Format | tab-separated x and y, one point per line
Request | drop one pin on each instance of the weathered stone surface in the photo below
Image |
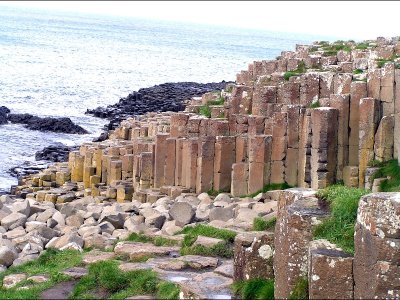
253	256
12	280
297	214
330	272
136	250
207	241
384	139
13	220
377	247
221	213
7	255
182	212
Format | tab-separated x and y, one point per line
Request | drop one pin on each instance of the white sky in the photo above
345	19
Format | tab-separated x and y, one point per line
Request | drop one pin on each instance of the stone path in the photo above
196	276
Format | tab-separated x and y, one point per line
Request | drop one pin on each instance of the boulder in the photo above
7	256
22	207
182	213
221	213
13	220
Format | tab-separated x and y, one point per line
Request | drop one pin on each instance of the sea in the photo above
59	64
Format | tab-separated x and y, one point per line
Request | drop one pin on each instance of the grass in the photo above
339	227
113	283
223	249
156	240
51	262
315	104
205	110
300	290
362	46
167	291
269	187
213	193
260	224
390	169
257	288
358	71
301	68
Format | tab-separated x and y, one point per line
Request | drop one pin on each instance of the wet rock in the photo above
64	125
57	152
3	114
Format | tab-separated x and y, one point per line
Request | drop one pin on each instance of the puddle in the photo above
177	278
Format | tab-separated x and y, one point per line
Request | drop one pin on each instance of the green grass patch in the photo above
156	240
358	71
301	68
339	227
113	283
205	110
362	46
229	89
214	193
223	249
206	230
254	289
167	291
270	187
261	224
381	62
391	170
51	262
315	104
332	52
300	290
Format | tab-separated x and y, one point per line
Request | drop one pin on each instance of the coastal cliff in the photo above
269	148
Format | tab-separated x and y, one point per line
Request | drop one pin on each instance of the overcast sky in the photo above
348	19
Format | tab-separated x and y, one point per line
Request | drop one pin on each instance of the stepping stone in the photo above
199	262
39	278
127	266
96	256
59	291
12	280
226	269
207	286
75	272
141	297
135	250
207	241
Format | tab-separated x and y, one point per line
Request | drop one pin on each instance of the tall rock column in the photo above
205	164
324	146
369	118
377	247
223	161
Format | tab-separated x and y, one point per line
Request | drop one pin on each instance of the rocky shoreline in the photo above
170	96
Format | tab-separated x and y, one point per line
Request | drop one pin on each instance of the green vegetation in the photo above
213	193
223	249
206	230
269	187
105	280
391	170
229	89
381	62
301	68
51	263
362	46
156	240
205	110
358	71
315	104
254	289
260	224
339	227
300	290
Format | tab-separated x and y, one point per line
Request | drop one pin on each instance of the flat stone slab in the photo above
75	272
141	297
39	278
136	250
12	280
96	256
226	269
61	290
127	266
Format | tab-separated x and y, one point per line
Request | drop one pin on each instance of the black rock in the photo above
64	125
56	153
158	98
3	114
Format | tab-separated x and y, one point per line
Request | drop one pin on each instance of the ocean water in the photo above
60	64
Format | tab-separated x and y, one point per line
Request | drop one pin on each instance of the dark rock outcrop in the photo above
158	98
64	125
55	153
3	114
